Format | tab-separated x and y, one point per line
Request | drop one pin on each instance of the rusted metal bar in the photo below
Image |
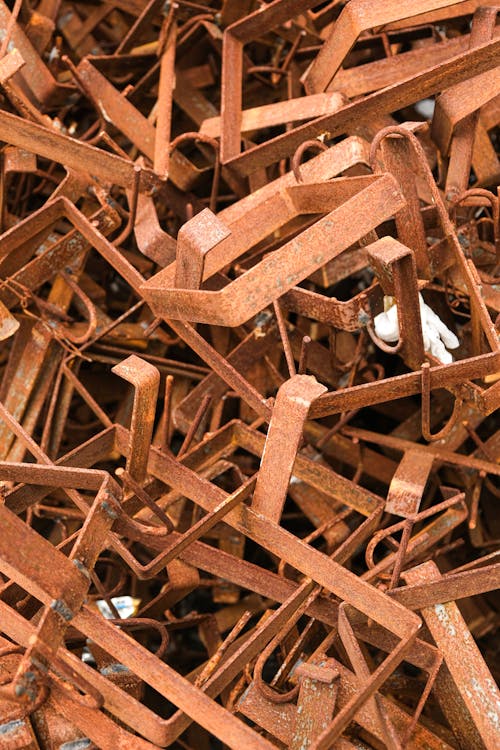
146	379
399	95
283	438
467	668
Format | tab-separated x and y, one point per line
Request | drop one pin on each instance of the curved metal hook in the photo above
386	533
426	409
124	234
420	154
495	209
299	153
387	348
87	303
193	136
138	623
266	690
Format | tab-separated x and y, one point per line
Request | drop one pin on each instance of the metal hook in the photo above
387	348
262	686
186	137
87	303
426	408
133	208
495	209
299	153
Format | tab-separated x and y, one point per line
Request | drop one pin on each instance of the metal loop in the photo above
299	153
426	409
133	208
194	136
381	344
495	209
87	303
266	690
138	623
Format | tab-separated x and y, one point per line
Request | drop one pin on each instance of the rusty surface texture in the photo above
249	374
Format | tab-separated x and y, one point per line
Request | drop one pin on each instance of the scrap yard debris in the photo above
250	373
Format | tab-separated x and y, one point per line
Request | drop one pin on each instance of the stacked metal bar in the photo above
250	373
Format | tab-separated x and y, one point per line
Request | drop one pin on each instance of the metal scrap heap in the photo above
249	374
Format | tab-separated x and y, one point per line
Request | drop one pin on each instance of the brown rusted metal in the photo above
249	375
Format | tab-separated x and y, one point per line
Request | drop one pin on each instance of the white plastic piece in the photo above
425	108
126	606
437	336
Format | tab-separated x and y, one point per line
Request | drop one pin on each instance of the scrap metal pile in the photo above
250	372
